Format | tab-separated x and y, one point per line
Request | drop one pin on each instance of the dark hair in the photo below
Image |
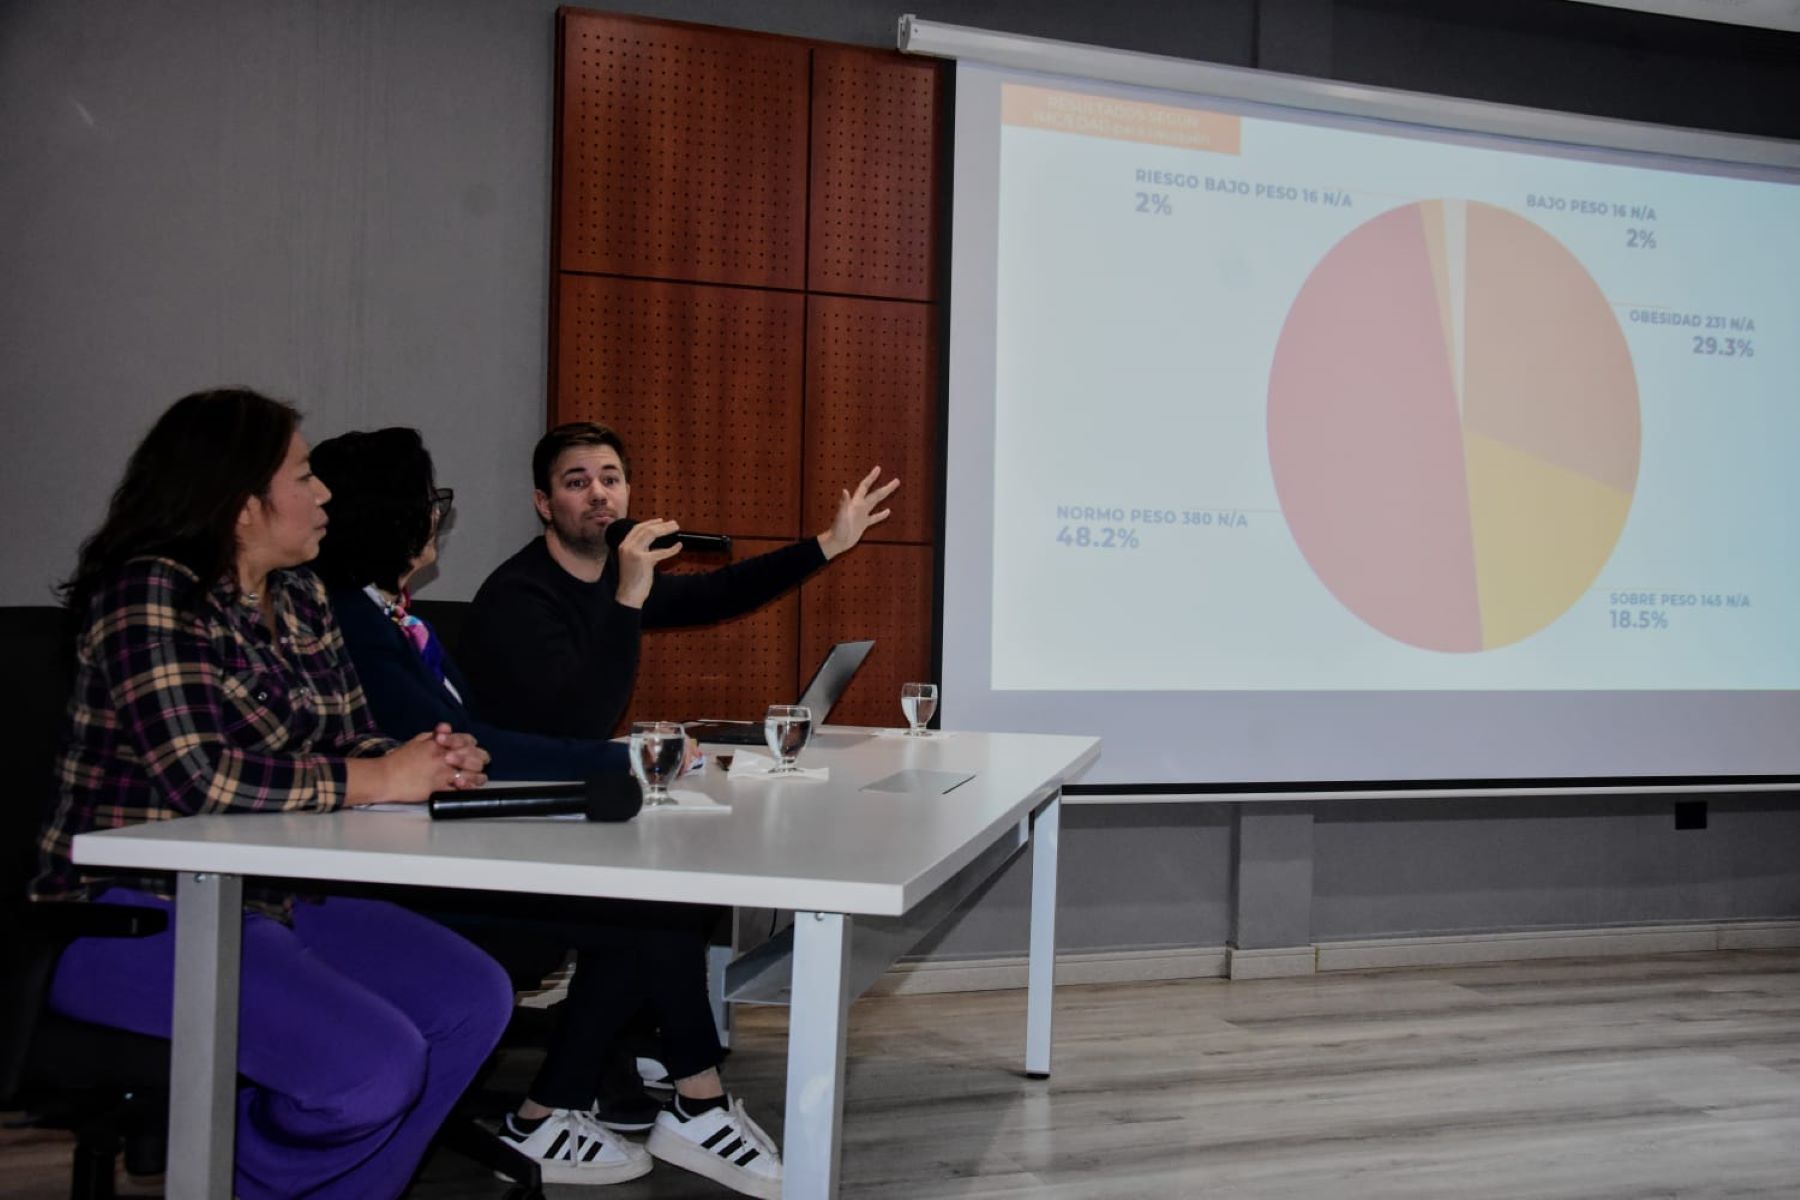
184	487
574	433
381	496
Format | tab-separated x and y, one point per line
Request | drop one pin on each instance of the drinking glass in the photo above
918	701
657	750
787	728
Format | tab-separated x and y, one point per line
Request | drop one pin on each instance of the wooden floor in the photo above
1658	1077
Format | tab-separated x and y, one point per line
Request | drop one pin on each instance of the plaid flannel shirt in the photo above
200	711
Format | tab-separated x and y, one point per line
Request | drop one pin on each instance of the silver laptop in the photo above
841	663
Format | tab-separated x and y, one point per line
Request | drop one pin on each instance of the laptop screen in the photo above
832	677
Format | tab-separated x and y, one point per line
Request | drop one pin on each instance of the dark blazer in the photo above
407	699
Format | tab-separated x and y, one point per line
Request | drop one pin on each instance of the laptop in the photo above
841	663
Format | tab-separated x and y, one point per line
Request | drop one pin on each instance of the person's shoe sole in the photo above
637	1168
677	1151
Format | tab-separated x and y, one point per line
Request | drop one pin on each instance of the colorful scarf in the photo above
417	631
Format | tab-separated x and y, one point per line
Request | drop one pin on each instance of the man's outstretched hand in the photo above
856	512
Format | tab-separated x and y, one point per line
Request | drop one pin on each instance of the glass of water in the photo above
657	750
918	701
787	728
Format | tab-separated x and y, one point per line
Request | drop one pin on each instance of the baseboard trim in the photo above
1225	962
1556	943
1000	974
1281	962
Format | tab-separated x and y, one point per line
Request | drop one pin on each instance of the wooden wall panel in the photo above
871	398
874	174
878	591
805	177
703	383
682	152
734	669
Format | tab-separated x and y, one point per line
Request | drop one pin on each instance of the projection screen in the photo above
1300	432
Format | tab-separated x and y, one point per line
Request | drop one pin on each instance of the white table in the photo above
830	851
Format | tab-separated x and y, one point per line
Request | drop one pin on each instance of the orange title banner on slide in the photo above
1121	120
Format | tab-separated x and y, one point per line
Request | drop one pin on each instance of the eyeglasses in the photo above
441	500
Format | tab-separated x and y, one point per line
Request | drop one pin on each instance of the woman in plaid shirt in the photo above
211	678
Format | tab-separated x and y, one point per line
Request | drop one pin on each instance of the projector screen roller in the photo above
1291	445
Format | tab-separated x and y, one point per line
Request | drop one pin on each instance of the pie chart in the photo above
1453	425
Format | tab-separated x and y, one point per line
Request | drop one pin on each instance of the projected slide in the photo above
1451	371
1316	405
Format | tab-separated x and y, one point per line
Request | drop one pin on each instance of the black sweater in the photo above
552	654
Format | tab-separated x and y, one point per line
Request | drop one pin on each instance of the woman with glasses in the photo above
387	511
211	678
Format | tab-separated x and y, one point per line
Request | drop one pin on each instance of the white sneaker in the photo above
724	1145
570	1148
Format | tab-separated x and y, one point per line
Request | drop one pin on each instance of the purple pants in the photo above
359	1028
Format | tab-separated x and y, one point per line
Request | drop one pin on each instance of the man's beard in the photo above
584	539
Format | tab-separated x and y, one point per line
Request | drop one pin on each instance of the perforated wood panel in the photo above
683	161
703	383
878	591
874	174
871	385
682	152
734	669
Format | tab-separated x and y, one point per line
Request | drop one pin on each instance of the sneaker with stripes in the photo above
721	1143
570	1148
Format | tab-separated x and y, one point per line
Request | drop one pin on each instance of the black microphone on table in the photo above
699	543
613	796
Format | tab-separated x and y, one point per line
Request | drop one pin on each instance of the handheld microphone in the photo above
699	543
614	796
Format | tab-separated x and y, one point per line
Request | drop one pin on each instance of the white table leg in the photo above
209	923
1041	965
817	1018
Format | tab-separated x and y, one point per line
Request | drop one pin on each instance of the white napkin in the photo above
930	735
758	766
686	802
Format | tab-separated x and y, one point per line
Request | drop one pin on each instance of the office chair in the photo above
108	1087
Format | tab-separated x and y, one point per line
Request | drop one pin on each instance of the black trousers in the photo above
635	961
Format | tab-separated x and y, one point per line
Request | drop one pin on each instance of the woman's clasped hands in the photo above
439	761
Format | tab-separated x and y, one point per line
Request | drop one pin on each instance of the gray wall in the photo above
346	203
1161	876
